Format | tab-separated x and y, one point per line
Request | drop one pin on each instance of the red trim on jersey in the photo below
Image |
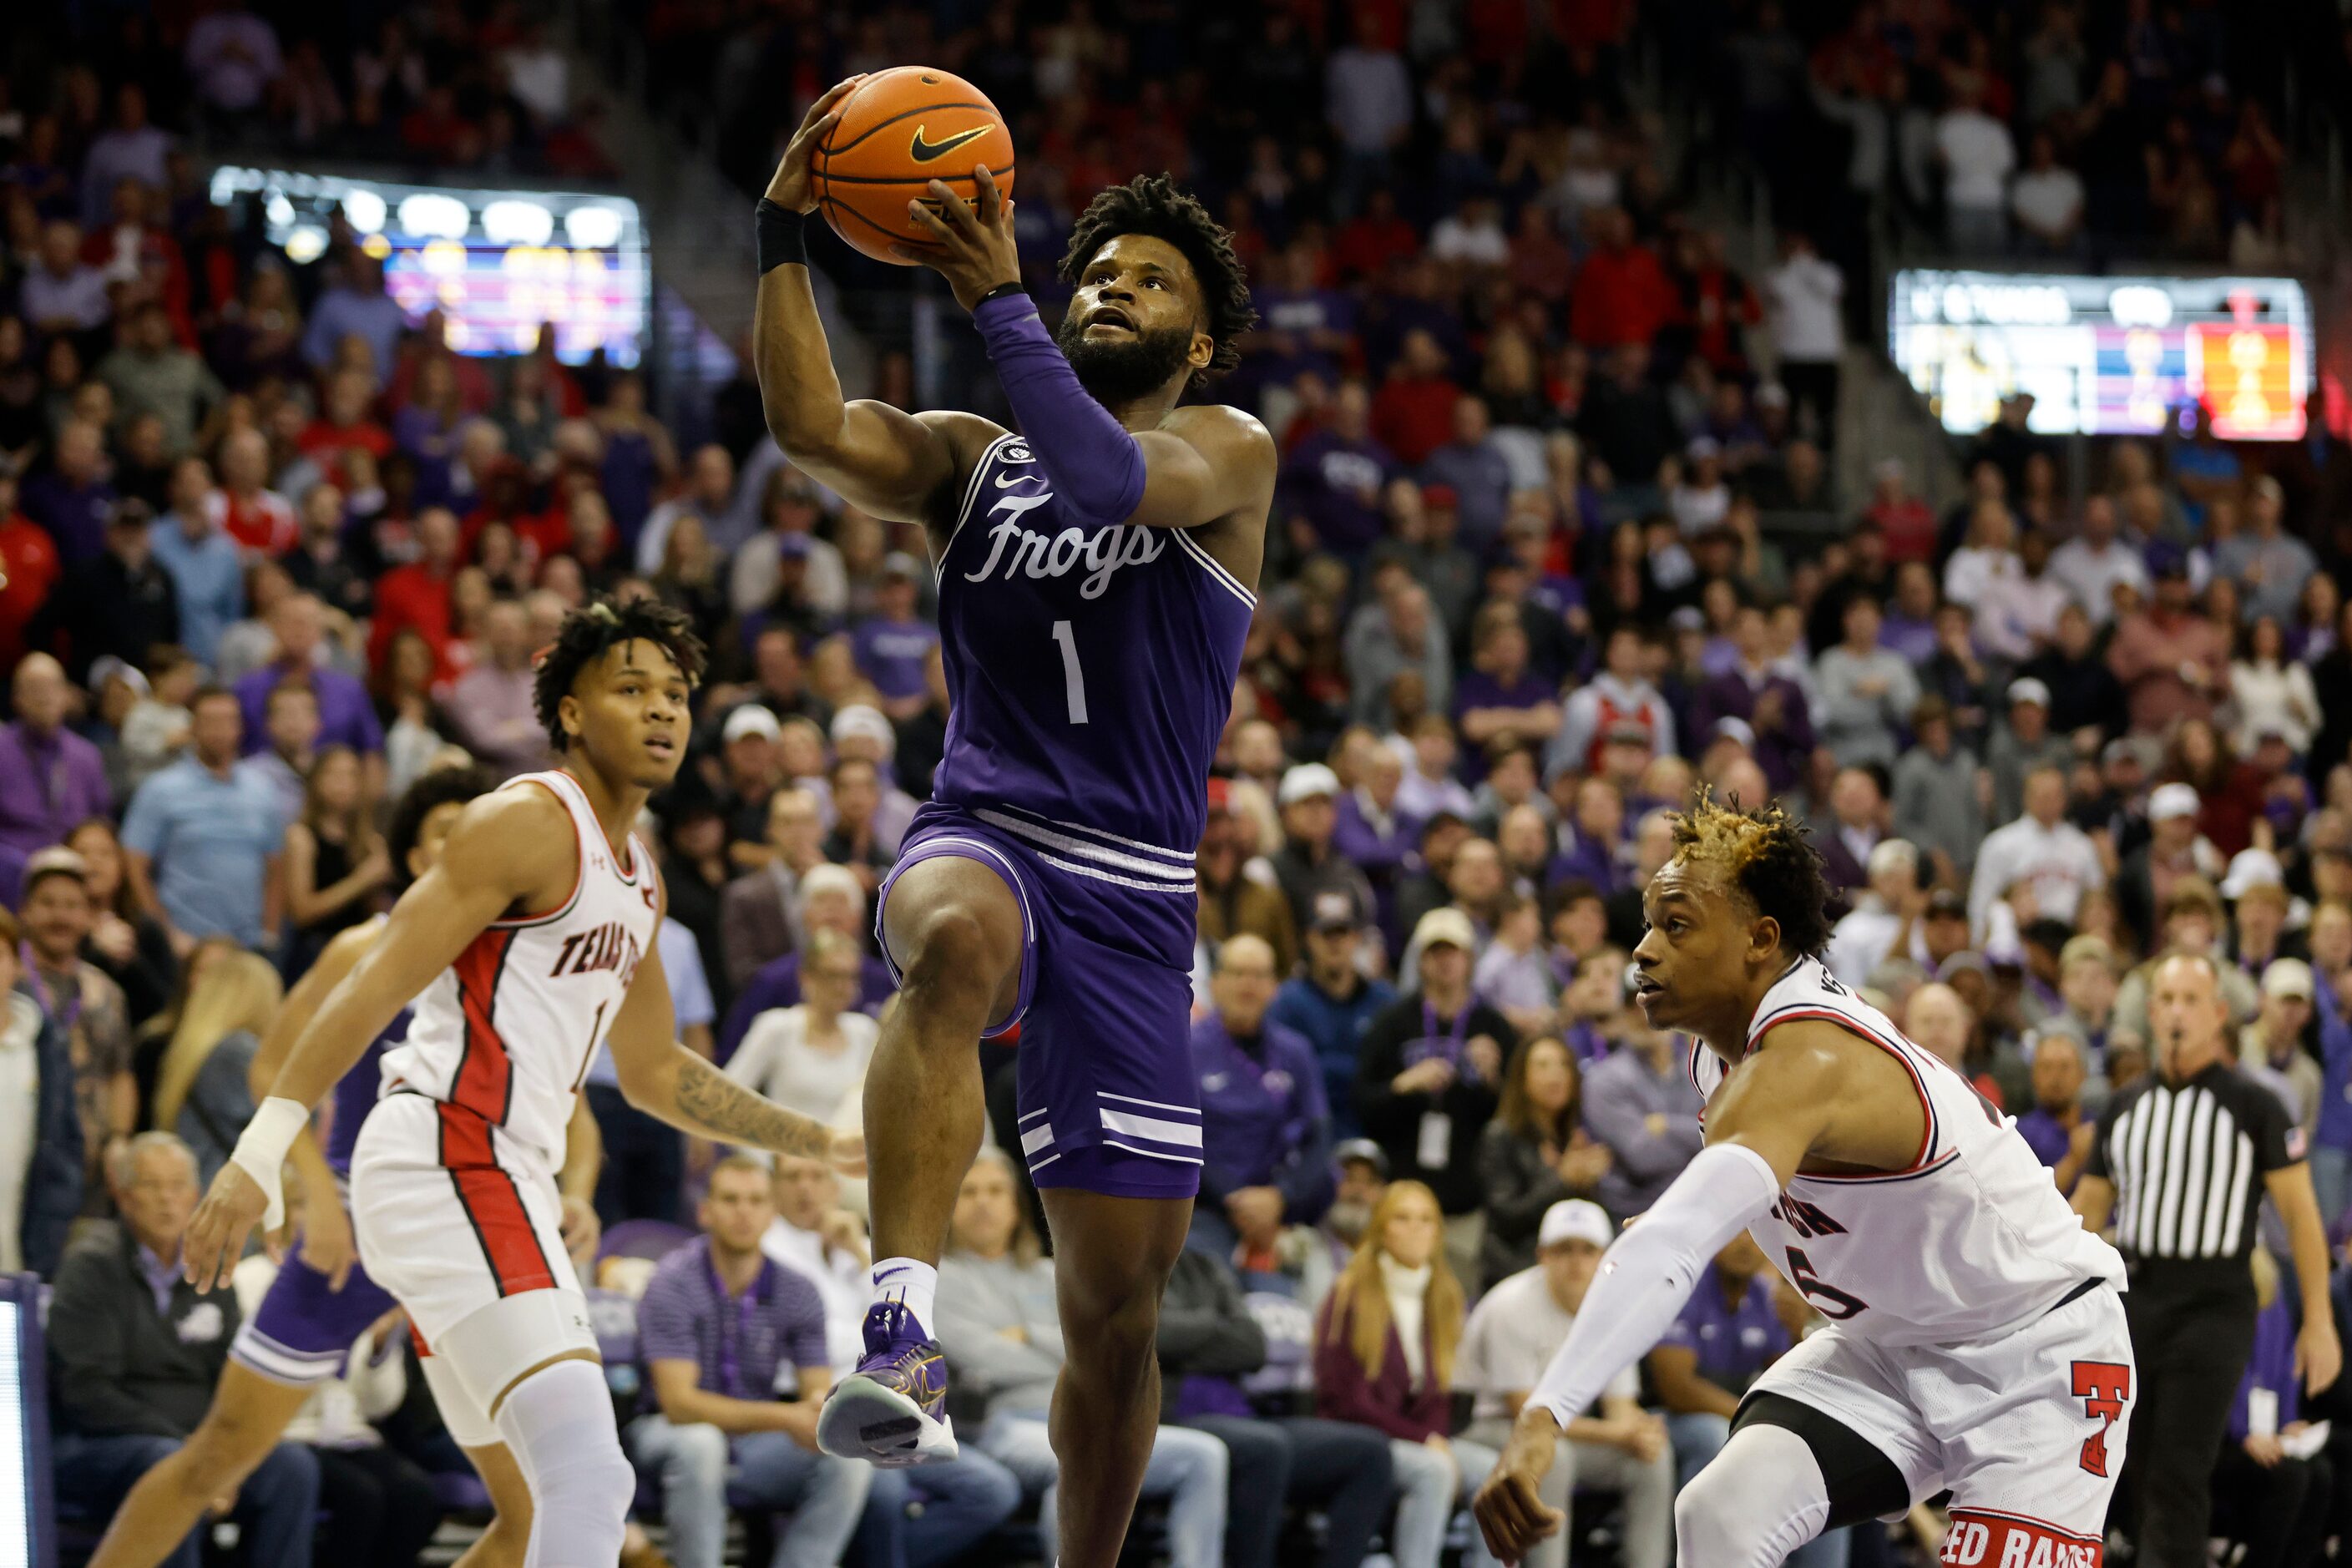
485	1081
1856	1028
493	1204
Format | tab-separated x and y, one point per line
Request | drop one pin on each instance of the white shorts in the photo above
464	1226
2027	1431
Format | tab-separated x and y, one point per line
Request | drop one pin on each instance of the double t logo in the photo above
2102	1386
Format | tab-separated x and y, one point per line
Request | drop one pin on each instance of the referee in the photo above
2174	1164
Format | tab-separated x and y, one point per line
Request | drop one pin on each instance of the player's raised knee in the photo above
956	952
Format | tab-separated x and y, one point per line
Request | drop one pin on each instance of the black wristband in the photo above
998	292
778	237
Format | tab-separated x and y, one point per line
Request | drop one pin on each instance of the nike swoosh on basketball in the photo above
923	152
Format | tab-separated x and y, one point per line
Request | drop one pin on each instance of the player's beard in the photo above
1128	369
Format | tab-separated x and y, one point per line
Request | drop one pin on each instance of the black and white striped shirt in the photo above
2188	1162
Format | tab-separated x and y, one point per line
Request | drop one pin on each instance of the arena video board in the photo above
497	263
2105	356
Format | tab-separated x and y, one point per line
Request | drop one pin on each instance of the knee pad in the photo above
1761	1500
558	1422
489	1349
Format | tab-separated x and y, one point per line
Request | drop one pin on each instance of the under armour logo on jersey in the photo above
1101	551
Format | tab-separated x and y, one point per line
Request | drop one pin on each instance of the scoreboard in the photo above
495	263
2105	356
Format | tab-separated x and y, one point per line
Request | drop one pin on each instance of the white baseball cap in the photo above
2251	868
1576	1219
2027	690
1304	782
750	719
2170	801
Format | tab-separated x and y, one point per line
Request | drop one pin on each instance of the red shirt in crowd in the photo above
413	596
1413	417
325	444
262	522
1909	528
1367	245
1621	295
29	570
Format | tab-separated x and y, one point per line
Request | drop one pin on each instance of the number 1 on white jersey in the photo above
1074	684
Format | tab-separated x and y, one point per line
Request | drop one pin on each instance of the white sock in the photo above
909	1284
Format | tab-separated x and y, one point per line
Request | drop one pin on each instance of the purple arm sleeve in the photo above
1095	465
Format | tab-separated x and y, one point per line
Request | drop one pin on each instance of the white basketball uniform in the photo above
1976	1337
454	1201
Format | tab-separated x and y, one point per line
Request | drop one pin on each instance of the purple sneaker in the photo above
892	1410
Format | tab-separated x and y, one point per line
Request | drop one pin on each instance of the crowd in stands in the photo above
270	552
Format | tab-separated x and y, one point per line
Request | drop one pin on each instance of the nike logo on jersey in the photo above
1101	551
1007	481
923	152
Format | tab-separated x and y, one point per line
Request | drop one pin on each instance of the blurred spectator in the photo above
1978	157
760	909
2280	1504
129	148
121	605
354	305
892	645
2021	742
831	898
41	1153
58	917
1618	705
72	498
1867	691
1472	467
1385	1346
1510	1340
2097	561
2041	850
203	838
2270	1049
1332	1002
1266	1129
2173	663
346	716
2269	564
2047	200
1002	1336
718	1428
128	941
2270	694
2174	850
1333	478
1238	892
491	703
1753	691
205	567
58	293
1428	1076
1640	1105
1307	864
1535	1154
1803	298
1412	413
136	1350
417	597
50	778
812	1057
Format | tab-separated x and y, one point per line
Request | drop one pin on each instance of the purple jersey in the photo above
1090	667
355	1095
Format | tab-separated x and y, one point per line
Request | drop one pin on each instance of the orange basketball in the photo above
900	129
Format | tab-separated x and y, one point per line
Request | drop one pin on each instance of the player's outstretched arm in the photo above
1759	1130
885	461
327	1244
667	1082
507	846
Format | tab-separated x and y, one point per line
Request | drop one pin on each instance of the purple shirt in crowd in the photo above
74	515
737	1342
1735	1344
1335	485
2044	1136
47	784
1784	751
891	654
1264	1121
346	715
2271	1368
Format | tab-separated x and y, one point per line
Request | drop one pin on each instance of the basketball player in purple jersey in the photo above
1096	576
323	1299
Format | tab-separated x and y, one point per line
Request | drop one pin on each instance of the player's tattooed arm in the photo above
719	1106
672	1084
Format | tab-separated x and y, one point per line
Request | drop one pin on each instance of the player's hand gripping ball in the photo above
876	144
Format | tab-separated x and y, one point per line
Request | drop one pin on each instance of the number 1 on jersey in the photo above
1073	682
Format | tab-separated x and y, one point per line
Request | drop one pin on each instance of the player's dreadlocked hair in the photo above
1767	854
1156	206
440	787
591	629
